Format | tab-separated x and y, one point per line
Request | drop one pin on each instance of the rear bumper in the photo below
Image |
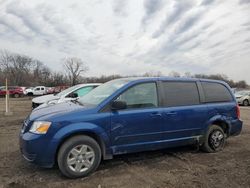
236	127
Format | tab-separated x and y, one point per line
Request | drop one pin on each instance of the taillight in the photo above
238	111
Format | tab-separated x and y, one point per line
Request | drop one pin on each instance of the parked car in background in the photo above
28	91
14	91
58	89
65	95
130	115
50	90
243	97
38	90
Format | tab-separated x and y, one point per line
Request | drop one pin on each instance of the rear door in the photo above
184	115
139	126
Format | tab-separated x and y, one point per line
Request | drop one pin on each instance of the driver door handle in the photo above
156	114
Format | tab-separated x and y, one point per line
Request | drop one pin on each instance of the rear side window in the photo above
216	92
180	93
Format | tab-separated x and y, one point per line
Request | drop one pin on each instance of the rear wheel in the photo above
246	102
214	139
79	156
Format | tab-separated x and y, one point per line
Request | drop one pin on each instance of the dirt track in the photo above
180	167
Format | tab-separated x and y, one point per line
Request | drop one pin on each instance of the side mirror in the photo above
73	95
118	105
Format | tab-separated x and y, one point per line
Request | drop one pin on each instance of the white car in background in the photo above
38	90
68	94
28	91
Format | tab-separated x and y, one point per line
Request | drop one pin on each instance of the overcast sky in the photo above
132	36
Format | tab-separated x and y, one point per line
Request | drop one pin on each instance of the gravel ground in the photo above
179	167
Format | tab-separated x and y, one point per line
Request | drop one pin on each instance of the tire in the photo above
74	156
215	139
16	95
30	94
245	102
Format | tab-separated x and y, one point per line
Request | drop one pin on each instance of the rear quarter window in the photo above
216	92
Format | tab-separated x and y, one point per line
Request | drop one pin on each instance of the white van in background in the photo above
38	90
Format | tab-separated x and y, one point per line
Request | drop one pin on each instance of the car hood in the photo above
45	99
55	111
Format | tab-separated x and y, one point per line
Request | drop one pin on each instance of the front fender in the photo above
76	128
80	128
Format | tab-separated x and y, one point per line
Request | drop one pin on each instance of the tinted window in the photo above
180	93
215	92
140	96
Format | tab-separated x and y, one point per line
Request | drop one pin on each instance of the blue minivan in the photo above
130	115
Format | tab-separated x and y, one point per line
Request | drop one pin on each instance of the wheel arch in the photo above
222	123
101	139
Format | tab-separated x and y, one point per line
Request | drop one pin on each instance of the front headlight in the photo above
40	127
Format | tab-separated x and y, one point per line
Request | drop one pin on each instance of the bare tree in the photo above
16	66
174	74
74	67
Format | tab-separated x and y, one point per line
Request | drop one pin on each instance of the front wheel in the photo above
246	103
79	156
16	95
214	139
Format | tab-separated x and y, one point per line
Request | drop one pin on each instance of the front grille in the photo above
25	125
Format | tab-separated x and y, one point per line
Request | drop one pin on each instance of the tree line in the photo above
22	70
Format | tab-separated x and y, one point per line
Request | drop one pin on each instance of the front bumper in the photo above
37	149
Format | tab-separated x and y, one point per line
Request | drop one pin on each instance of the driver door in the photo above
139	126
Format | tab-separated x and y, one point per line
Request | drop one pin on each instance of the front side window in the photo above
83	91
216	92
140	96
180	93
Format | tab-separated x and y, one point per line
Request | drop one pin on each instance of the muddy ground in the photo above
179	167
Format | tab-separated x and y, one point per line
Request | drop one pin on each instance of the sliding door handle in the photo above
156	114
171	113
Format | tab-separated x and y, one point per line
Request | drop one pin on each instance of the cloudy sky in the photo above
132	36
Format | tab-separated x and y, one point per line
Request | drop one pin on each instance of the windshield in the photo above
68	90
96	96
243	92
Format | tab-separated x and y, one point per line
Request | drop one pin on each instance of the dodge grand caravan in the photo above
130	115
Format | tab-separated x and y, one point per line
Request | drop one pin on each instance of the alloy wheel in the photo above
81	158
